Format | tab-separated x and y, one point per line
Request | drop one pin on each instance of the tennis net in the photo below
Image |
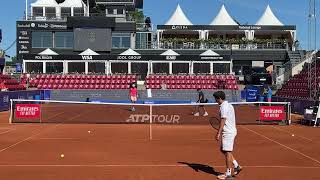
50	111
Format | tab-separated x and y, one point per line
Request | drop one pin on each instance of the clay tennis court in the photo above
124	151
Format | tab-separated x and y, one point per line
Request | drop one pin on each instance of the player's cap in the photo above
219	95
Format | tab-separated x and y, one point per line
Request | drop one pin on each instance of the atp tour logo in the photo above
161	119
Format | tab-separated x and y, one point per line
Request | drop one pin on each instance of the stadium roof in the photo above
44	3
89	52
269	19
209	52
72	3
48	52
170	52
178	18
130	52
223	18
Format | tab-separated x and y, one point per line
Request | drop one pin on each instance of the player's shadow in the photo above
201	167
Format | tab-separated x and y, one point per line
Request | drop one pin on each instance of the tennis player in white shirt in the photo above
227	133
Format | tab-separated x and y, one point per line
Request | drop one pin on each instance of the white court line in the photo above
7	131
58	139
288	132
146	165
296	151
28	138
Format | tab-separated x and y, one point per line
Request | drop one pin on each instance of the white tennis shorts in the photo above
228	142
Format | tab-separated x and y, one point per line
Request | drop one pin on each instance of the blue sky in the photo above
290	12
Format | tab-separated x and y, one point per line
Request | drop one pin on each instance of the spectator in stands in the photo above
269	94
163	85
3	87
133	93
88	100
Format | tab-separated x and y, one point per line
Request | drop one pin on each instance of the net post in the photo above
150	122
40	113
259	111
289	113
11	111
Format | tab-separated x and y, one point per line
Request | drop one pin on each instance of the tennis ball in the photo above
62	155
292	135
89	132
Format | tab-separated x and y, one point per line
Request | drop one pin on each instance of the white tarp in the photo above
48	52
72	3
269	19
170	52
130	52
209	52
224	18
44	3
178	18
88	52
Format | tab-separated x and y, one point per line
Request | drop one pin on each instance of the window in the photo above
64	40
141	41
42	39
121	40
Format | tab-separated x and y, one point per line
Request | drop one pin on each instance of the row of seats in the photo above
83	86
44	81
191	77
9	83
86	77
189	86
192	82
297	86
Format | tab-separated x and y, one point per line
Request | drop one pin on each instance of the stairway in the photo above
296	57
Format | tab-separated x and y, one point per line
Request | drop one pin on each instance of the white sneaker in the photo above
205	114
196	114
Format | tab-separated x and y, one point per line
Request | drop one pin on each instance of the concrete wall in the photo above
122	95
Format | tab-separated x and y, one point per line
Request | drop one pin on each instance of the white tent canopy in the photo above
130	52
48	52
89	52
44	3
178	18
223	18
269	19
72	3
209	52
170	52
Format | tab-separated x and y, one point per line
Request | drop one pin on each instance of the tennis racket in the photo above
214	122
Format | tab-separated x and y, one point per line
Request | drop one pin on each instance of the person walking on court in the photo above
228	131
201	99
133	93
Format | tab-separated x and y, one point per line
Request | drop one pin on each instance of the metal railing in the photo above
221	46
64	16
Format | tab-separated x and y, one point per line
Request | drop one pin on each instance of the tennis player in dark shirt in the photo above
201	99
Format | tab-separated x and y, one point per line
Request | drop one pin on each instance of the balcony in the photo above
64	16
220	44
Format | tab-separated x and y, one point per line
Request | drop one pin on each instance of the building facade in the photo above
114	37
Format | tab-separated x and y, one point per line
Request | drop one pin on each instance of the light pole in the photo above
26	10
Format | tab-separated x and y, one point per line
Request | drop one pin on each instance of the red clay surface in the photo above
124	152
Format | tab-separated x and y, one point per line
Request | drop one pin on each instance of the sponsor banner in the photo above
6	96
272	113
224	28
186	58
27	111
